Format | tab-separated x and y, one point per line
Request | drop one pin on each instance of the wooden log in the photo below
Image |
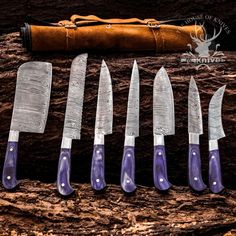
36	209
38	153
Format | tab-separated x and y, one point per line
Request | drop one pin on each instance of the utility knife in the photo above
127	179
103	126
194	130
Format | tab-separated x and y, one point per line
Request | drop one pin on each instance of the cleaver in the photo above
30	111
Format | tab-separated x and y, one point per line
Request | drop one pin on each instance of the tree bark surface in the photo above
36	209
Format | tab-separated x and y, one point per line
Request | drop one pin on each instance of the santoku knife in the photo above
216	131
72	123
131	131
194	129
163	124
30	111
103	126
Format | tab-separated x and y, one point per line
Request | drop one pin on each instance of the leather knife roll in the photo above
83	33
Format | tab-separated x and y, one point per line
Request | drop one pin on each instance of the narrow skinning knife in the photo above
216	131
30	111
194	129
163	124
72	123
131	131
103	126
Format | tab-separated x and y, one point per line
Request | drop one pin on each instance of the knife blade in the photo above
216	132
131	131
103	126
72	123
194	129
163	124
30	111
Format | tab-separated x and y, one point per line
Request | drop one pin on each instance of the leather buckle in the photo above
153	24
70	26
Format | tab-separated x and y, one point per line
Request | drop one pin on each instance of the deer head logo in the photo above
203	43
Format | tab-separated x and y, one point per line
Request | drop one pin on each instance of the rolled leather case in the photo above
93	33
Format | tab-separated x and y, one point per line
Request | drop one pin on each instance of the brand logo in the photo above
205	51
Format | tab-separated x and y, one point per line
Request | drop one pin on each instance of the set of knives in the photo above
30	112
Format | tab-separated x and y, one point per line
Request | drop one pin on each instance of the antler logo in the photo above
203	44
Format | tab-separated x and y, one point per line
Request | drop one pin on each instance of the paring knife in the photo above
32	96
131	131
194	129
163	124
103	126
72	123
216	131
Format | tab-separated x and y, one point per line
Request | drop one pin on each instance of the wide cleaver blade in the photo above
32	97
30	111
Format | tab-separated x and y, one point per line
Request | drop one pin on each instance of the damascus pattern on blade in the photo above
104	115
32	97
194	109
215	126
132	120
74	107
163	105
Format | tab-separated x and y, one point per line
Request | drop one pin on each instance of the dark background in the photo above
39	153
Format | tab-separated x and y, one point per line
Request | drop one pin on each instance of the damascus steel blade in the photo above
32	97
104	114
194	109
163	105
215	127
74	107
132	120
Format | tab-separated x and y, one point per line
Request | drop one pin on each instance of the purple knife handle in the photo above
215	179
97	169
160	168
194	168
127	179
63	173
9	180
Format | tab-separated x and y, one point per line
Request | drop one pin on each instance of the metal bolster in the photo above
193	138
213	145
99	139
159	140
66	143
13	136
129	141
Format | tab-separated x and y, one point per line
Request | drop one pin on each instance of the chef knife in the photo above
72	123
163	124
103	126
131	131
194	129
30	111
216	131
